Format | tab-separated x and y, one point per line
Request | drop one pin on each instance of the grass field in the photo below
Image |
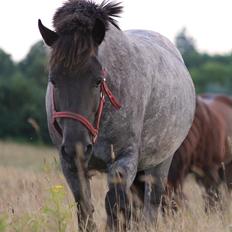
34	197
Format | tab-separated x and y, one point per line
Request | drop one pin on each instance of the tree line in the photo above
23	86
210	73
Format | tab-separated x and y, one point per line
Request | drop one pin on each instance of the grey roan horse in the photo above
90	59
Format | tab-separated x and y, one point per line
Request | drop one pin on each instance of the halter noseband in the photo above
93	129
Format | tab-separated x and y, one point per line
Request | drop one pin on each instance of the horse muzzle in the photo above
70	152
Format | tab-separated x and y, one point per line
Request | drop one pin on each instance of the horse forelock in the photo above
74	23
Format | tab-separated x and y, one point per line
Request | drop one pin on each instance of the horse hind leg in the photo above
174	197
211	182
155	183
137	194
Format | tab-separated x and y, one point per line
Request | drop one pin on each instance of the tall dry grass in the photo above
34	197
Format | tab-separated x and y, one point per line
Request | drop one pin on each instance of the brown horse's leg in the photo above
174	198
212	198
118	201
228	175
211	182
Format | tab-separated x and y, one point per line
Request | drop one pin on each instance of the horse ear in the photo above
48	35
99	31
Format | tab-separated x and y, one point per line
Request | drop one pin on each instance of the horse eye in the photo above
98	82
52	81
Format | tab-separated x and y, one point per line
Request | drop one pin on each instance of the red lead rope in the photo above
93	130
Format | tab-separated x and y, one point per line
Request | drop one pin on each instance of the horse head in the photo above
76	75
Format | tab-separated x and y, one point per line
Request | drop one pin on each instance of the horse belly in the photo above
160	145
167	121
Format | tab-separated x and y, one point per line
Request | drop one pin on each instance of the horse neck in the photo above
111	53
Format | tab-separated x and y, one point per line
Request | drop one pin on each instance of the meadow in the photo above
34	197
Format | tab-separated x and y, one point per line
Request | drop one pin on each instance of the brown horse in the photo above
207	150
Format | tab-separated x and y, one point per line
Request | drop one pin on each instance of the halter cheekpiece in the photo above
92	128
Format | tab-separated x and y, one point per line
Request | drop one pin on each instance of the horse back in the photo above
148	75
222	106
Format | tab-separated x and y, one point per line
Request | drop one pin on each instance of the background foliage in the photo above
23	86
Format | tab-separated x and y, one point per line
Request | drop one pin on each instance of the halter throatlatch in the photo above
93	129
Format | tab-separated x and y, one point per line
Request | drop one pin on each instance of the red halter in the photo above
104	89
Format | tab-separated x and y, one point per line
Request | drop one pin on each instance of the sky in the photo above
207	21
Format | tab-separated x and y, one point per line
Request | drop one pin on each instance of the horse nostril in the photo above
67	149
89	149
67	153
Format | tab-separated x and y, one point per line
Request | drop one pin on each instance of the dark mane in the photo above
74	23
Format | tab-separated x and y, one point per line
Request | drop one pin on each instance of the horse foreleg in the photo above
121	175
155	182
80	187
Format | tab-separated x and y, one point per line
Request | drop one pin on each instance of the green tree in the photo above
184	42
187	47
213	77
34	66
20	100
22	95
7	66
210	73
